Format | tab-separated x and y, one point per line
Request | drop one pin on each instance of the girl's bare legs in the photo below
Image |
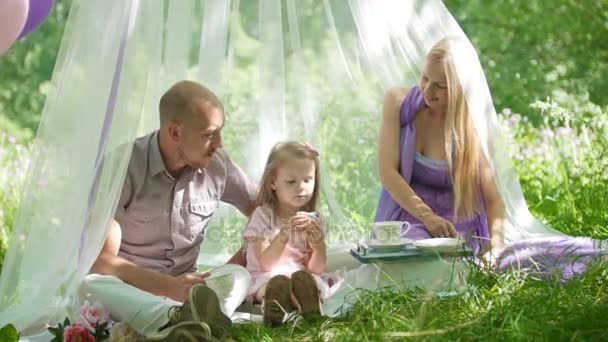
259	296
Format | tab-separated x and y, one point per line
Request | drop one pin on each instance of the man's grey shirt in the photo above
163	219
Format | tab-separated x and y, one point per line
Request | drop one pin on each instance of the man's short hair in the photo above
179	102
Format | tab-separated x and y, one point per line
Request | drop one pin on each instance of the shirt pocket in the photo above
199	213
144	215
141	225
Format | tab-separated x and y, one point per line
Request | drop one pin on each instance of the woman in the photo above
451	114
440	196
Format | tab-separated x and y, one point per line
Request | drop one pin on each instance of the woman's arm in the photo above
388	166
494	206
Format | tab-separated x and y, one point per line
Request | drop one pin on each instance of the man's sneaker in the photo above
183	332
202	305
277	300
307	294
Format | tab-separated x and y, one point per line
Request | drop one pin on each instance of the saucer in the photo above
441	245
388	246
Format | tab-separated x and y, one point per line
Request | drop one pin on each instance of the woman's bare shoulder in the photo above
397	93
394	97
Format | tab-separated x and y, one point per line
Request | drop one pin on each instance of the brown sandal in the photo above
306	292
277	300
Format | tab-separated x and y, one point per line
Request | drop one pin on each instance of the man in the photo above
175	178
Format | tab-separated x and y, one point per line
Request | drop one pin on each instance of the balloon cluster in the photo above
18	18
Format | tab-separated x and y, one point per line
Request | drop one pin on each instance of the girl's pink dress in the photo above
264	224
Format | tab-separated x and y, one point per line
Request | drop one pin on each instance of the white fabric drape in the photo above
306	70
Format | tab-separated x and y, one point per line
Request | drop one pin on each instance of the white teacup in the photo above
390	231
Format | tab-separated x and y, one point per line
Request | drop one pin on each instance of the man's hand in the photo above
180	286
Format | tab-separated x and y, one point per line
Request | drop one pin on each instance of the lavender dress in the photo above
563	257
431	181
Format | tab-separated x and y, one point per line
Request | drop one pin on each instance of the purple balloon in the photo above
39	10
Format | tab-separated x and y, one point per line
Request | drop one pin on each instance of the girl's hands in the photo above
294	227
315	235
312	226
298	222
304	223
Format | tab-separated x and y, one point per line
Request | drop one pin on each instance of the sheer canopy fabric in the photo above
284	69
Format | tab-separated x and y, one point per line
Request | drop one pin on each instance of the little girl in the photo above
285	237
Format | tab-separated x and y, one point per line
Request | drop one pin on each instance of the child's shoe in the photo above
307	293
277	300
202	306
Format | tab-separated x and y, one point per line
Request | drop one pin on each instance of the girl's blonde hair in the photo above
280	154
461	142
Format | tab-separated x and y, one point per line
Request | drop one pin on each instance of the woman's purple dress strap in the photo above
388	209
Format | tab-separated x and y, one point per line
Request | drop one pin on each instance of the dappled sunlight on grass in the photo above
506	307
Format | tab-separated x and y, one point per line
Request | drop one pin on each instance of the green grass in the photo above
498	307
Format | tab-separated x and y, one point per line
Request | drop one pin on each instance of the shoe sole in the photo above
306	291
205	307
277	299
183	332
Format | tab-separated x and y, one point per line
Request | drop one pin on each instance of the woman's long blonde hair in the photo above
280	154
461	141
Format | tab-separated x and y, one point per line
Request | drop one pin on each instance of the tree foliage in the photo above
24	72
531	48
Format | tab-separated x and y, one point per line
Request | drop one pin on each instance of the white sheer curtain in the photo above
306	70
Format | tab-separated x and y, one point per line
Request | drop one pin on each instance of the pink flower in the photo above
93	315
77	332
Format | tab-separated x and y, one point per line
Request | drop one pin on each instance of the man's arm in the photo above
109	263
239	191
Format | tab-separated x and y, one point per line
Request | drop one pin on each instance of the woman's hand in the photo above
439	227
489	259
489	254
